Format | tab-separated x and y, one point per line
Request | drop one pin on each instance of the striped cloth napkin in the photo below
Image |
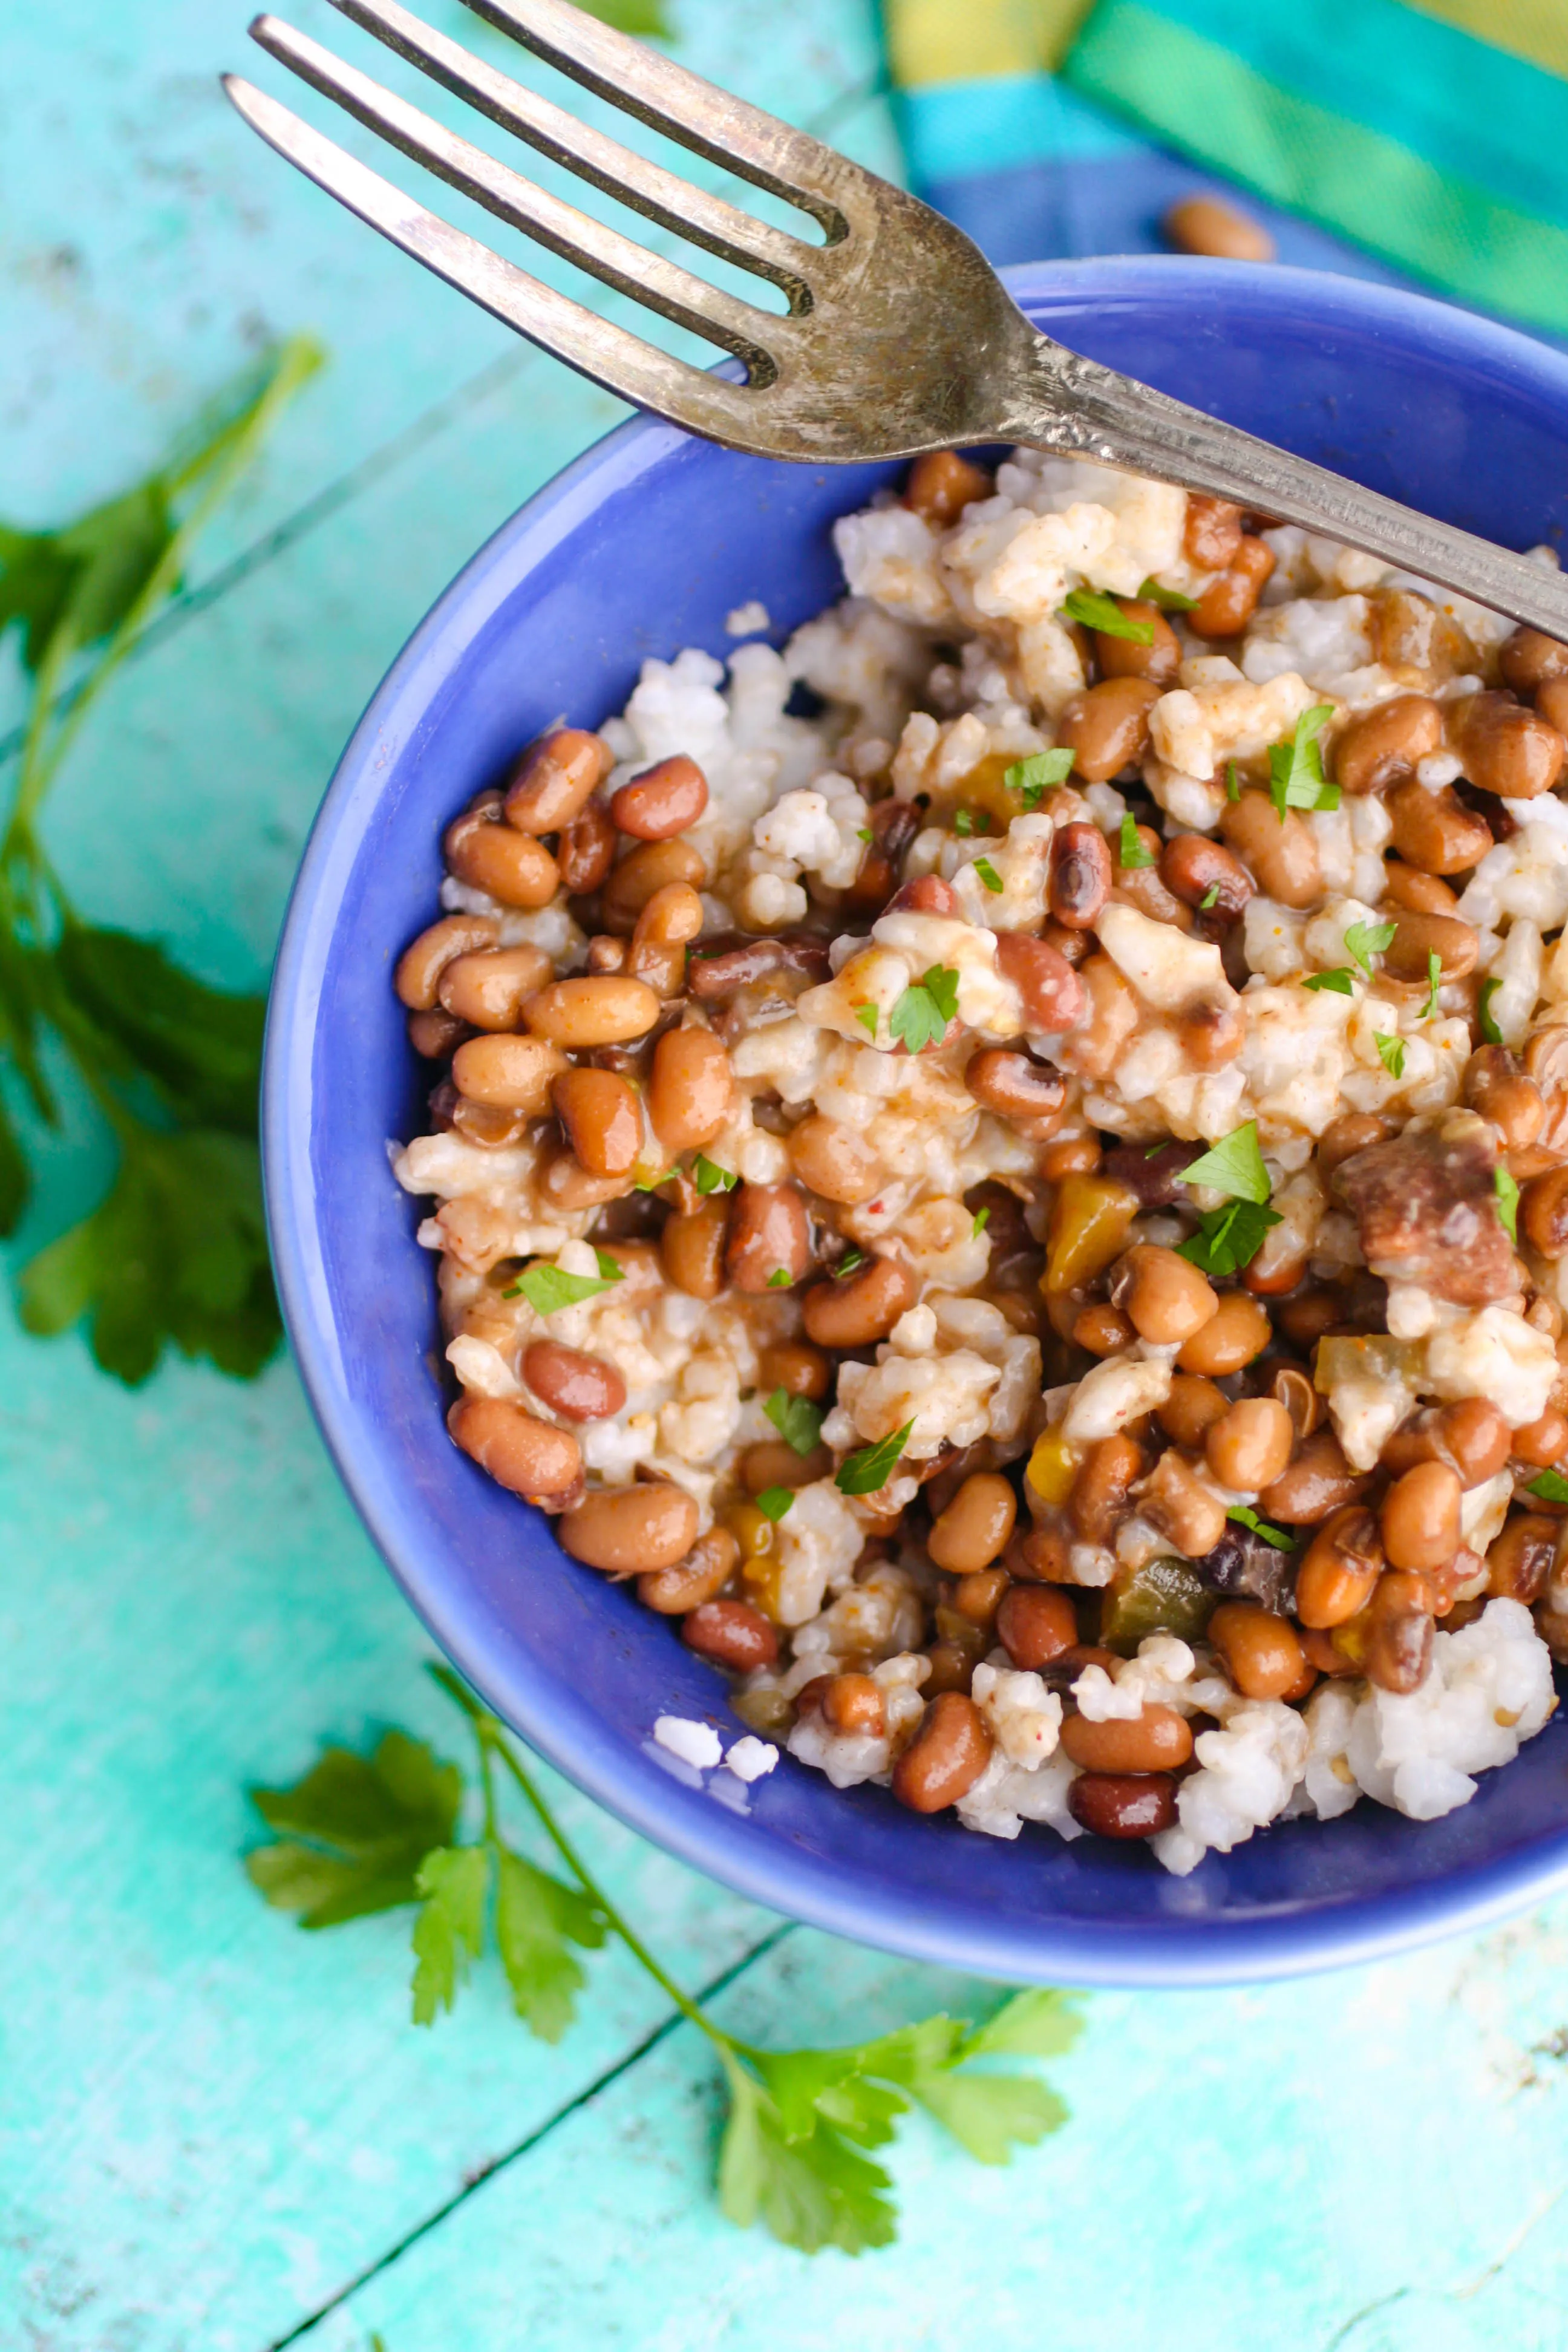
1418	141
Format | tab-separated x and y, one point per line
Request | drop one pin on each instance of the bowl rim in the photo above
805	1885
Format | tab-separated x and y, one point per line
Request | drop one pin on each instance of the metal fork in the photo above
900	337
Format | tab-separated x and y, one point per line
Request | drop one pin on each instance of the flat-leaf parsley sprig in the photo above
175	1255
359	1835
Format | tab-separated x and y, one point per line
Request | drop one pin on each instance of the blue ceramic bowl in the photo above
640	548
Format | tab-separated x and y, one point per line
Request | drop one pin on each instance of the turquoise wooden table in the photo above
217	2135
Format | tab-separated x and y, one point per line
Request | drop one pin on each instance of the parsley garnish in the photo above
780	1278
1229	1238
868	1016
981	1219
1210	898
796	1418
1278	1537
1488	1027
710	1178
849	1263
1169	600
867	1471
173	1256
547	1289
1235	1165
1550	1487
1098	613
360	1835
1131	854
773	1502
1433	980
652	1183
967	822
1390	1052
1232	780
864	834
1338	982
1296	777
989	876
1506	1192
1364	940
922	1012
1033	777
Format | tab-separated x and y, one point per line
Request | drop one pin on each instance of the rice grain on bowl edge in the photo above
824	1253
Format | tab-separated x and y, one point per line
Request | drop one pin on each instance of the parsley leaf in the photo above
921	1015
774	1501
1364	940
989	876
1235	1165
1033	777
449	1930
537	1919
1229	1238
1232	780
868	1016
547	1289
981	1219
1106	617
1169	600
780	1278
354	1831
199	1046
710	1178
652	1183
1341	981
1506	1192
1390	1052
1550	1487
1131	854
1210	898
869	1471
963	823
1434	979
811	2191
1038	2023
849	1263
1296	778
1488	1027
1280	1537
796	1418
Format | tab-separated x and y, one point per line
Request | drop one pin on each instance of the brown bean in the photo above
774	1462
586	851
553	783
946	1756
1303	1405
799	1369
1352	1131
434	1035
1160	659
1423	894
1229	603
1211	1030
1543	1213
1382	748
1114	1012
1106	726
693	1248
1075	1155
493	856
769	1234
651	866
1542	1443
927	894
832	1161
1283	857
1343	1564
1435	831
1496	1085
1212	532
1102	1330
1106	1475
1052	992
418	979
973	1529
1234	1335
1123	1804
730	1634
1551	702
1396	1643
626	1529
1163	1294
1475	1438
576	1386
852	1704
690	1089
1521	1559
1016	1087
700	1576
564	1184
528	1457
487	988
598	1010
1192	866
1530	657
1158	1740
513	1073
602	1119
1191	1410
1260	1651
1209	224
977	1595
861	1309
1081	875
1418	938
1034	1623
663	801
1320	1480
671	920
1508	749
1180	1504
1251	1446
941	484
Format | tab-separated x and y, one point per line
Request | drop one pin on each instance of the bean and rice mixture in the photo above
1010	1162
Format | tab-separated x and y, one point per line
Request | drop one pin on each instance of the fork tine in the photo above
662	197
616	259
621	362
697	114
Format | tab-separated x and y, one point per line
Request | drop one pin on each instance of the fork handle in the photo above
1080	409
